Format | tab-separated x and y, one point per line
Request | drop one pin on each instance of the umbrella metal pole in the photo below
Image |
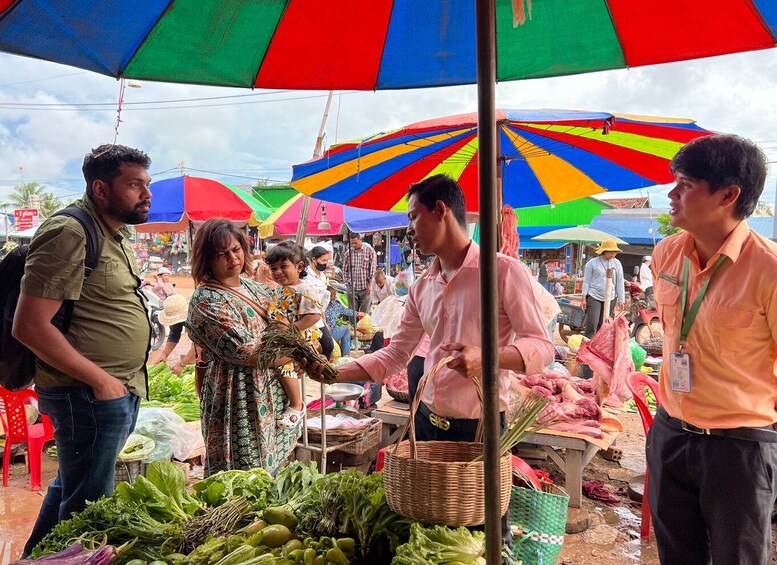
487	178
303	216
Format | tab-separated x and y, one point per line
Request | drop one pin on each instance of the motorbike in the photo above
642	315
154	306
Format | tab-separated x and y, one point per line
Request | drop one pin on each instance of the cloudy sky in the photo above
51	115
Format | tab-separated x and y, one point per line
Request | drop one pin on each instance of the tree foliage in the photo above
664	227
23	196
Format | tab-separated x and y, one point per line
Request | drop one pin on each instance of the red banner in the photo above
25	218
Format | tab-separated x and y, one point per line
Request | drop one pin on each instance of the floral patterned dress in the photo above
239	404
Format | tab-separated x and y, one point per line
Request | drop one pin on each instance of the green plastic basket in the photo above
538	521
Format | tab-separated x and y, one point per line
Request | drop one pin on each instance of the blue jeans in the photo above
89	434
342	335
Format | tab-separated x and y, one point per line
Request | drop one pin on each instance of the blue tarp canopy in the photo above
634	231
762	226
360	220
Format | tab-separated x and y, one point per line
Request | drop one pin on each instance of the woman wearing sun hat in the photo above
176	309
594	281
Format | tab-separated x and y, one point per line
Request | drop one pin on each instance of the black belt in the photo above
767	433
453	424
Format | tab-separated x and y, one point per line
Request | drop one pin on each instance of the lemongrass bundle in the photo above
524	424
281	339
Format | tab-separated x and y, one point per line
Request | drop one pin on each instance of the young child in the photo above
296	300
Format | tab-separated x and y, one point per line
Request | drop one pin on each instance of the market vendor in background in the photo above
359	264
646	279
594	282
173	316
227	315
162	286
445	304
712	449
382	287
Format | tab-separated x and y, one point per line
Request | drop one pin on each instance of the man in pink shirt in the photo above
444	303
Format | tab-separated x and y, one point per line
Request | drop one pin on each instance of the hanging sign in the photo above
25	218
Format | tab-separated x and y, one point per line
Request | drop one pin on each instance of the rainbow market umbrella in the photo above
177	201
544	157
376	44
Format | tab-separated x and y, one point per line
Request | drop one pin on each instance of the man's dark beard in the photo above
131	217
136	217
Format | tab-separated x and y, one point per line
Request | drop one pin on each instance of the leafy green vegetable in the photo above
162	492
115	521
439	545
256	486
353	504
167	387
189	411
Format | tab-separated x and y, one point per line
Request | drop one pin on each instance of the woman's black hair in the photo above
318	251
288	251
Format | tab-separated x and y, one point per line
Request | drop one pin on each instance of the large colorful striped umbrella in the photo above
375	44
177	201
545	156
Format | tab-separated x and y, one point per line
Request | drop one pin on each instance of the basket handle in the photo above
410	424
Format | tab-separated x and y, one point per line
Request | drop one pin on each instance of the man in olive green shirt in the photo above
90	380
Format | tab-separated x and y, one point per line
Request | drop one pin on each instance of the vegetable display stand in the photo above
437	482
316	440
538	520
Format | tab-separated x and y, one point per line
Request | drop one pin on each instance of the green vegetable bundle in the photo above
440	545
150	513
166	387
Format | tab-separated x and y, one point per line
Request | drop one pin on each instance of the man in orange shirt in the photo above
712	449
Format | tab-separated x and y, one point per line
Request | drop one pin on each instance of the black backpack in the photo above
17	362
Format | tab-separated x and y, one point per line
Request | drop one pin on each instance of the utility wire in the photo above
76	108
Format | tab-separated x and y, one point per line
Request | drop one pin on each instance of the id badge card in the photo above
680	372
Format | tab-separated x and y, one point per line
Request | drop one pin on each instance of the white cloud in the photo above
262	140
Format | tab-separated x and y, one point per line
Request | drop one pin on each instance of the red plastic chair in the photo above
18	430
637	383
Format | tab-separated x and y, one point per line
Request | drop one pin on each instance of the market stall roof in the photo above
573	213
274	196
634	231
360	220
762	225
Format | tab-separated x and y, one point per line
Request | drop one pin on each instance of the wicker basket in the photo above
399	396
128	471
357	440
436	481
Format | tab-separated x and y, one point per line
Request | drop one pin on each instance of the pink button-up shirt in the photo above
449	311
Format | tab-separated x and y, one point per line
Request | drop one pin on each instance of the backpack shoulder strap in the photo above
90	230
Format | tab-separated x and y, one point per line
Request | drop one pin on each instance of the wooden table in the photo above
570	452
393	415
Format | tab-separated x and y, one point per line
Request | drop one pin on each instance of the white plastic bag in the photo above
169	432
387	315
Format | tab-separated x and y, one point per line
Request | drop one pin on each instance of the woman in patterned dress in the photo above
227	314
